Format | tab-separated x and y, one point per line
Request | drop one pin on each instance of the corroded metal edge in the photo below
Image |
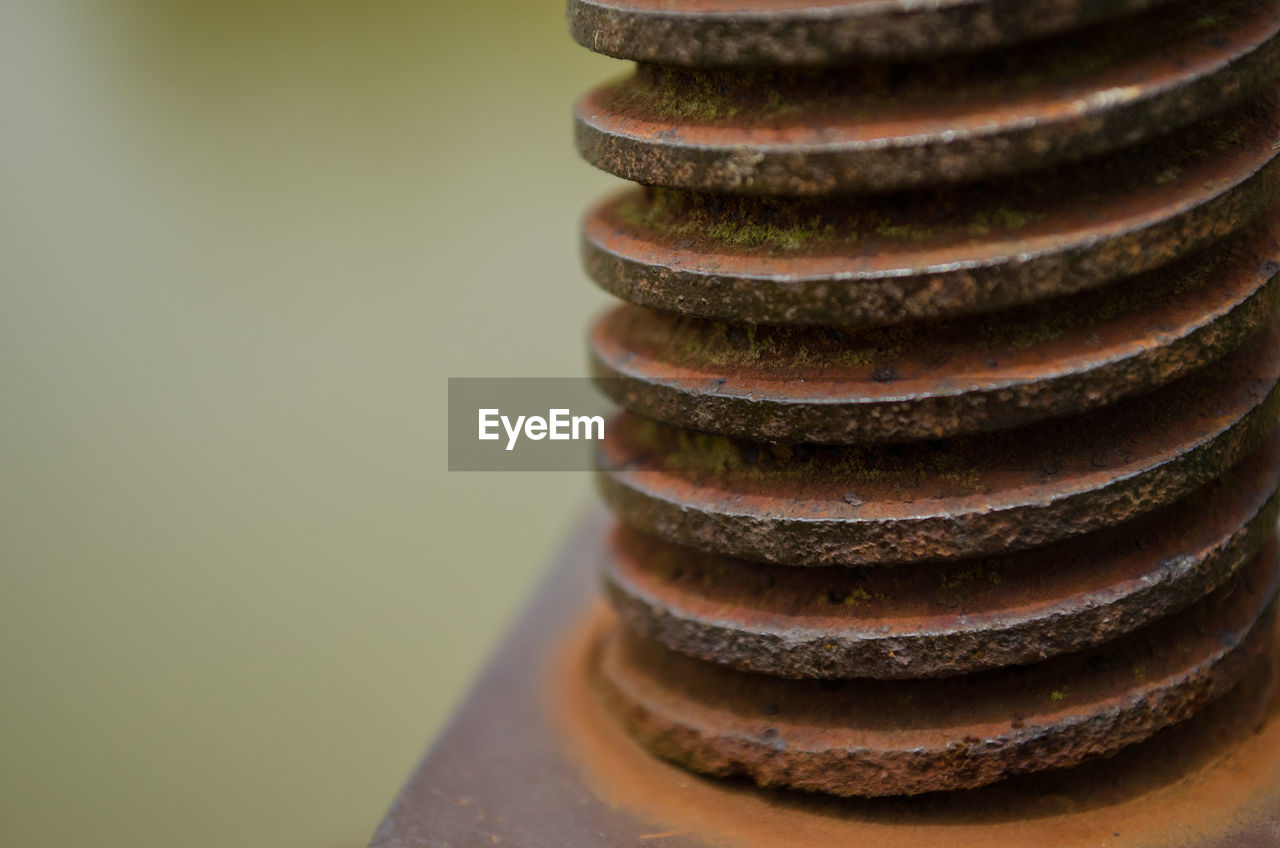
786	34
876	738
855	506
1131	222
646	129
833	386
936	619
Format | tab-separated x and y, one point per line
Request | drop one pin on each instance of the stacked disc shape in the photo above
948	354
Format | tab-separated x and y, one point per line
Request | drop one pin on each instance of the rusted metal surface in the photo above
944	619
533	758
873	738
849	261
838	505
949	455
840	386
949	372
791	32
882	127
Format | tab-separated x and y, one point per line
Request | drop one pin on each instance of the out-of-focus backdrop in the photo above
243	244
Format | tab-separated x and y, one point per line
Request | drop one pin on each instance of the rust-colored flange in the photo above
879	128
808	505
942	619
848	261
873	738
838	386
791	32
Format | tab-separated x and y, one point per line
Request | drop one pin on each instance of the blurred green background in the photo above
243	246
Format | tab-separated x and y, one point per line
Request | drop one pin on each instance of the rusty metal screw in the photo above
950	362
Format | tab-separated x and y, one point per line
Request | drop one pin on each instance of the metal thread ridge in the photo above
949	360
